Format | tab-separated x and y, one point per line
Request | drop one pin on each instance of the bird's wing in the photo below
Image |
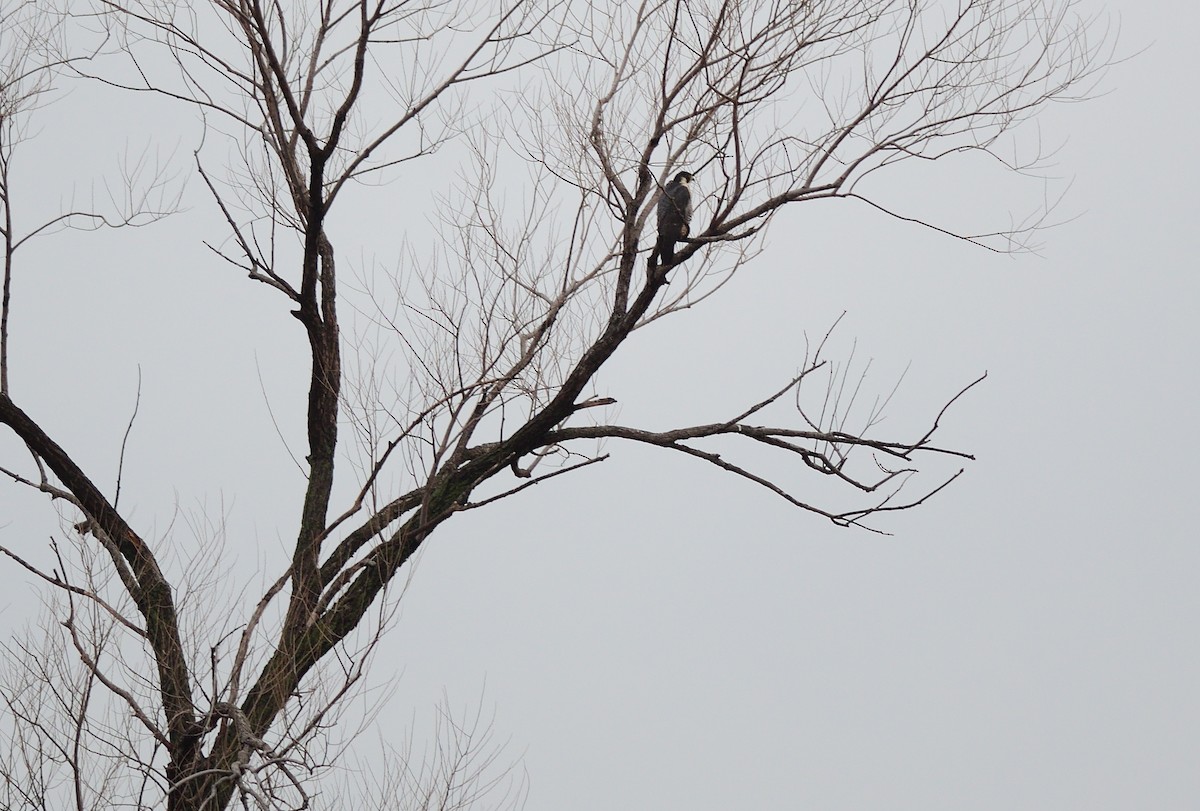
665	205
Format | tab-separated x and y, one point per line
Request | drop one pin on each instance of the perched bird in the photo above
674	217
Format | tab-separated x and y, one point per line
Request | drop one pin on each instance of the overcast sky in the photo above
652	635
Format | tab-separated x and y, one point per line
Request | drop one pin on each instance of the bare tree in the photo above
501	334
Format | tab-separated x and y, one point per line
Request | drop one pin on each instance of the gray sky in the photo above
653	635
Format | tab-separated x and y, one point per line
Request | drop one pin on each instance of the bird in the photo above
674	217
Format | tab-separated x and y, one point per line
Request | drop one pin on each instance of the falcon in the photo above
674	217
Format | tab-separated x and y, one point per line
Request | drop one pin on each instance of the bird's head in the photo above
685	178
